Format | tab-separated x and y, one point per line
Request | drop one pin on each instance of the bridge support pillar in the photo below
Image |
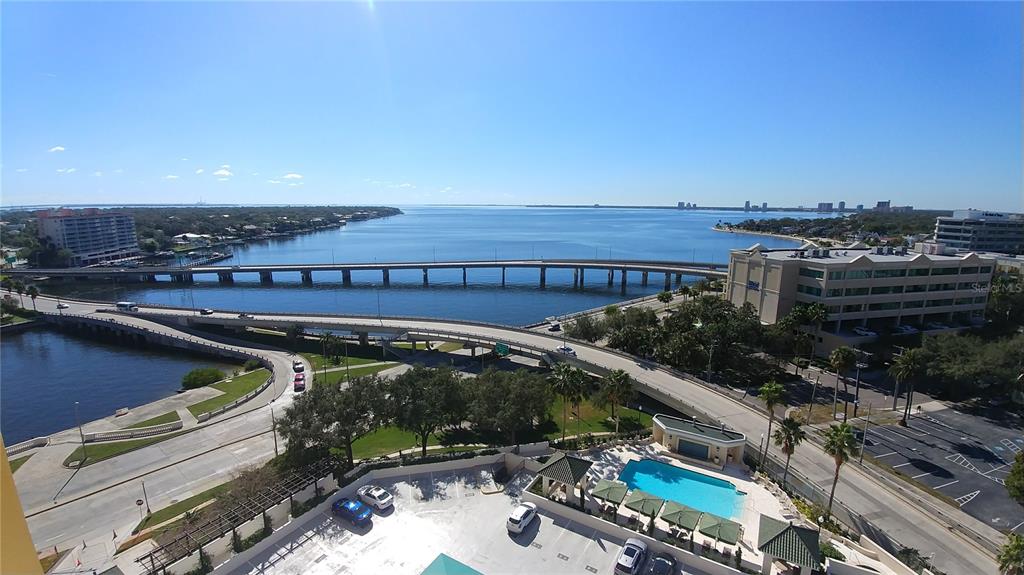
611	277
622	281
575	278
679	279
426	280
225	277
181	278
364	338
543	277
463	277
346	277
266	278
502	277
643	279
387	277
668	281
582	270
151	278
307	276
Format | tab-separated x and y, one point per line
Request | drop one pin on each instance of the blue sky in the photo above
652	103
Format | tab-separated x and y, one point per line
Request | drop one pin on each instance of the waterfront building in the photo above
91	235
979	230
764	206
863	288
825	207
842	206
746	206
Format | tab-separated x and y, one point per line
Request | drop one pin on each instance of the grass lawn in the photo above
169	417
384	441
594	420
338	376
317	361
96	452
233	389
16	463
175	509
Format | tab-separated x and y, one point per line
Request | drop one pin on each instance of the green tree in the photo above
841	444
507	403
787	437
32	292
616	389
201	377
842	359
1011	556
905	368
771	393
586	328
568	382
684	291
19	287
422	398
665	296
293	332
1015	480
813	314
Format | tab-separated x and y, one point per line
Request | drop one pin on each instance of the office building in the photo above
978	230
764	206
824	206
746	206
860	207
842	206
863	288
91	235
883	206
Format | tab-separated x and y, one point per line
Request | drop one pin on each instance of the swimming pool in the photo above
696	490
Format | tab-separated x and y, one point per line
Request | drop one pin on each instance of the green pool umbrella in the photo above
609	490
719	528
681	515
643	502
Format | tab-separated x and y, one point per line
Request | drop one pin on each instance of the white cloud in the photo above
294	184
97	173
292	176
226	166
66	170
170	177
57	149
405	185
223	173
199	171
21	170
118	171
274	181
255	173
184	159
222	179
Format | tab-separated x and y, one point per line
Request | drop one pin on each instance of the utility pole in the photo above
814	391
835	401
146	497
80	435
273	428
864	440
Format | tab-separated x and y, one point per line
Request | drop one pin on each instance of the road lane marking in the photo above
921	475
885	455
1014	528
946	484
900	465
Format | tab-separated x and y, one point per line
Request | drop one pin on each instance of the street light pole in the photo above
81	435
273	428
864	440
146	497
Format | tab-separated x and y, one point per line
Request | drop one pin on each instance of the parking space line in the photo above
946	484
994	469
1014	528
921	474
885	455
900	465
884	436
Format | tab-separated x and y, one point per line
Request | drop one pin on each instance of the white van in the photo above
127	306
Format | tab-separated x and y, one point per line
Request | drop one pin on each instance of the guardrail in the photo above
26	445
120	434
215	412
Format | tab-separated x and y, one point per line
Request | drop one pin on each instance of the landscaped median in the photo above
232	389
96	452
169	417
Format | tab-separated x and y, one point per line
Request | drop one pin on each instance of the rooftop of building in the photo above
859	252
714	432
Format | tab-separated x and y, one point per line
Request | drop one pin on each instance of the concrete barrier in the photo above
26	445
185	564
215	412
220	549
250	528
279	514
120	434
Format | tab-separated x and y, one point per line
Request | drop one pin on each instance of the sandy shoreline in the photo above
769	234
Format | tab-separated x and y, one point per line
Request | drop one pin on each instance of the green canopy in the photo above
719	528
609	490
681	515
645	503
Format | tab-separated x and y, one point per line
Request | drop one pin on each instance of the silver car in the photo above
521	517
376	497
631	558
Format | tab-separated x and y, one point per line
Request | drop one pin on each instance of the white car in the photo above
864	331
521	517
631	558
62	306
376	497
905	330
565	350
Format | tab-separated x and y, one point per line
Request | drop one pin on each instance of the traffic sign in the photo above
502	349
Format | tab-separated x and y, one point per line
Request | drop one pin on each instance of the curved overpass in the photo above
901	513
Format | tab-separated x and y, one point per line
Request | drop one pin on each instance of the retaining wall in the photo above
133	433
26	445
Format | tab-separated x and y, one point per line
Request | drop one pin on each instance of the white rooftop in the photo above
845	255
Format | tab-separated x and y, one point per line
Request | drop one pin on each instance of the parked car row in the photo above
359	510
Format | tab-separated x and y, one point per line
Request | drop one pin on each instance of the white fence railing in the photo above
215	412
119	434
26	445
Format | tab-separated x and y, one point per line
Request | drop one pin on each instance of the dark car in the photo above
206	312
353	511
662	564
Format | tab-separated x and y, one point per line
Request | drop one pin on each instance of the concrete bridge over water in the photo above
226	274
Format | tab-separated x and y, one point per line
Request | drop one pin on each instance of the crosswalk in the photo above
1011	445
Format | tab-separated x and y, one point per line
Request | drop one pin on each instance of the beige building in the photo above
708	444
865	289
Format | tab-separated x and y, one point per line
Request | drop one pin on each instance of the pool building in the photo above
695	441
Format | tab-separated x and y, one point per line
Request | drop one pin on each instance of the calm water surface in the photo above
45	372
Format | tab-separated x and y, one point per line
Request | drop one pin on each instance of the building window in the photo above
809	290
858	274
918	272
913	304
884	305
890	273
945	271
812	273
968	271
886	289
964	300
852	307
916	288
939	302
942	287
834	292
980	299
836	275
834	309
857	291
985	270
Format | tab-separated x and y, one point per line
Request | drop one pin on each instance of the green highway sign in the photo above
502	349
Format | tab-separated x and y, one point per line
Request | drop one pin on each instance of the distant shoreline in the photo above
802	240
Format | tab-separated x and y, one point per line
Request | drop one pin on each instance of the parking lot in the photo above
436	514
965	457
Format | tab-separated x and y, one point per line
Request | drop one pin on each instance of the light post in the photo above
146	497
273	427
81	435
138	503
761	450
864	440
856	391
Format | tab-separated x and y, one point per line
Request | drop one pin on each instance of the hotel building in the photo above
91	235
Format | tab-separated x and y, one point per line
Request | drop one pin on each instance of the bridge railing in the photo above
26	445
119	434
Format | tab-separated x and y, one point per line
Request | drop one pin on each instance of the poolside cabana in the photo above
568	471
645	504
681	516
794	545
720	528
610	491
690	439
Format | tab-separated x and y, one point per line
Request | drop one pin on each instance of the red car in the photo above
300	382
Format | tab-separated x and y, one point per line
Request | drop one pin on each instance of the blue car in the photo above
353	511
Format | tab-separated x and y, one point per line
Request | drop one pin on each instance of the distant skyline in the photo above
512	103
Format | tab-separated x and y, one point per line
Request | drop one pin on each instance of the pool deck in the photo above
758	500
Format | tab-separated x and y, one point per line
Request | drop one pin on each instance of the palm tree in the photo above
841	444
771	394
33	293
1011	556
905	367
788	436
842	359
685	291
567	381
616	389
19	287
815	313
